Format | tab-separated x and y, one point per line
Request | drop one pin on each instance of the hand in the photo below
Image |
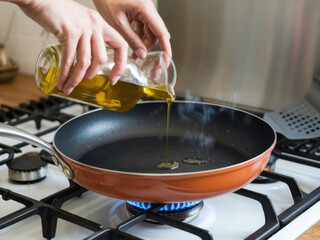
82	33
148	25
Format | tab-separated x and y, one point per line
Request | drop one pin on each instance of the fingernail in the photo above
88	77
67	91
141	53
114	80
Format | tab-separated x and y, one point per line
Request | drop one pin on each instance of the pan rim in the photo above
224	169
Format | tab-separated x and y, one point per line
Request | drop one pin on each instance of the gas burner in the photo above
178	211
27	168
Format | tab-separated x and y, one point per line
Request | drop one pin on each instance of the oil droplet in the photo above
168	165
195	161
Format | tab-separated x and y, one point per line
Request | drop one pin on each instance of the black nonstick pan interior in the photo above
135	141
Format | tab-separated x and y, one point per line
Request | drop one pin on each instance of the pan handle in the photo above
19	134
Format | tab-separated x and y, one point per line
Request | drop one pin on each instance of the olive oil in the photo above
196	161
168	165
168	96
99	92
160	93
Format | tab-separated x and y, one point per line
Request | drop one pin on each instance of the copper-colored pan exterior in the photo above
168	188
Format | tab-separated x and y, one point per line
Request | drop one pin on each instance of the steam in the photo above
193	112
199	139
202	115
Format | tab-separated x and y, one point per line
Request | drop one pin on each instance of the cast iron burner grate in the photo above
305	151
48	109
178	211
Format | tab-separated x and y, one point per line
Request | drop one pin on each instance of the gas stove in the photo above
38	201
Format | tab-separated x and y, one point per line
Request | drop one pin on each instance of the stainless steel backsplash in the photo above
255	53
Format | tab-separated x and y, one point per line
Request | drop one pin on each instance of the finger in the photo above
164	41
165	45
99	56
156	70
159	29
132	37
150	39
138	28
120	46
81	66
68	52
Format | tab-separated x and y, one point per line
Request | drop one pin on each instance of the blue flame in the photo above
166	208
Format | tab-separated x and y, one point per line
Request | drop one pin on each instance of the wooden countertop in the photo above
23	89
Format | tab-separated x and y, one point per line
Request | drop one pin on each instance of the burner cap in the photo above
27	168
177	211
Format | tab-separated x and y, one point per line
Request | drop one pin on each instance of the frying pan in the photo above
116	154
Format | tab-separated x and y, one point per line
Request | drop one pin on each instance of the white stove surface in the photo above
229	216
